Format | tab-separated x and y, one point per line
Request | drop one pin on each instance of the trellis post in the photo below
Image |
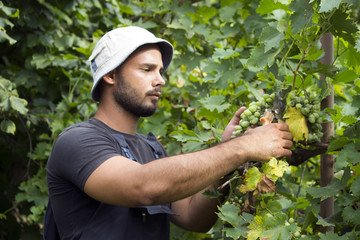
327	161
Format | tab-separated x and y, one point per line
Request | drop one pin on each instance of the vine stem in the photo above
299	189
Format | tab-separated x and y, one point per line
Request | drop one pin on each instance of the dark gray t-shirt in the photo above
77	152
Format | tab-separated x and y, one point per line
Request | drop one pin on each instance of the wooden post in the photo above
327	161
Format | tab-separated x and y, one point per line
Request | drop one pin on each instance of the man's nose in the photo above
159	80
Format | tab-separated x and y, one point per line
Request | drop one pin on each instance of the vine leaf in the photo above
297	124
252	179
275	169
215	102
266	185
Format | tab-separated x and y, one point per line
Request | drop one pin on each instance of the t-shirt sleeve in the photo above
78	152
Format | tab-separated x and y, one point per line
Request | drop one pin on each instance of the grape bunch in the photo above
309	106
251	116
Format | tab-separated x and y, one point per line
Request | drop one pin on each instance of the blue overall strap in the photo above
157	152
124	146
151	140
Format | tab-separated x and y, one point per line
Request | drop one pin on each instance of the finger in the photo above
282	126
236	118
287	153
288	144
287	135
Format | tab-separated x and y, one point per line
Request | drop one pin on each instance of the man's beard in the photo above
129	99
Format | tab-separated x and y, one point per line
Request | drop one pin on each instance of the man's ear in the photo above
110	77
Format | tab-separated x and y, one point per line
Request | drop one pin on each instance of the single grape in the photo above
305	111
238	127
312	118
254	120
244	124
247	112
253	109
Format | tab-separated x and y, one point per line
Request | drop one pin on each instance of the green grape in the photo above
237	132
257	114
298	106
243	115
312	118
266	96
254	120
262	103
253	109
305	111
244	124
291	220
247	112
238	127
292	95
269	100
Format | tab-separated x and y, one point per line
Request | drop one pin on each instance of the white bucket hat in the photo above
116	46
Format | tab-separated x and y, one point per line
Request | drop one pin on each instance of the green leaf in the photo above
5	37
227	13
321	221
18	104
337	144
302	15
329	236
325	192
268	6
342	26
355	187
328	5
350	154
224	54
215	102
252	179
230	213
8	126
259	58
353	131
351	215
346	76
185	135
271	37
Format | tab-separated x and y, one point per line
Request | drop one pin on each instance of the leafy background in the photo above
227	54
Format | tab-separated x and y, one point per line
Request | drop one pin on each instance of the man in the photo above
104	179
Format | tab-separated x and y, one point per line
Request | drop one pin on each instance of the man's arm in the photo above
197	213
120	181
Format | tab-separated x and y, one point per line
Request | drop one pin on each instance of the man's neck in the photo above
117	118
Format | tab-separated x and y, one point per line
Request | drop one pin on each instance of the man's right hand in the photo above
265	142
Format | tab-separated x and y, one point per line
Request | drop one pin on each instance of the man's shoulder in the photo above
87	126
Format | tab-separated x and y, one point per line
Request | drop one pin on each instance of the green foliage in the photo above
228	54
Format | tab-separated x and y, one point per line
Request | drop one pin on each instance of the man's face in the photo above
139	81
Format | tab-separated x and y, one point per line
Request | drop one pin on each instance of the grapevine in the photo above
306	105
